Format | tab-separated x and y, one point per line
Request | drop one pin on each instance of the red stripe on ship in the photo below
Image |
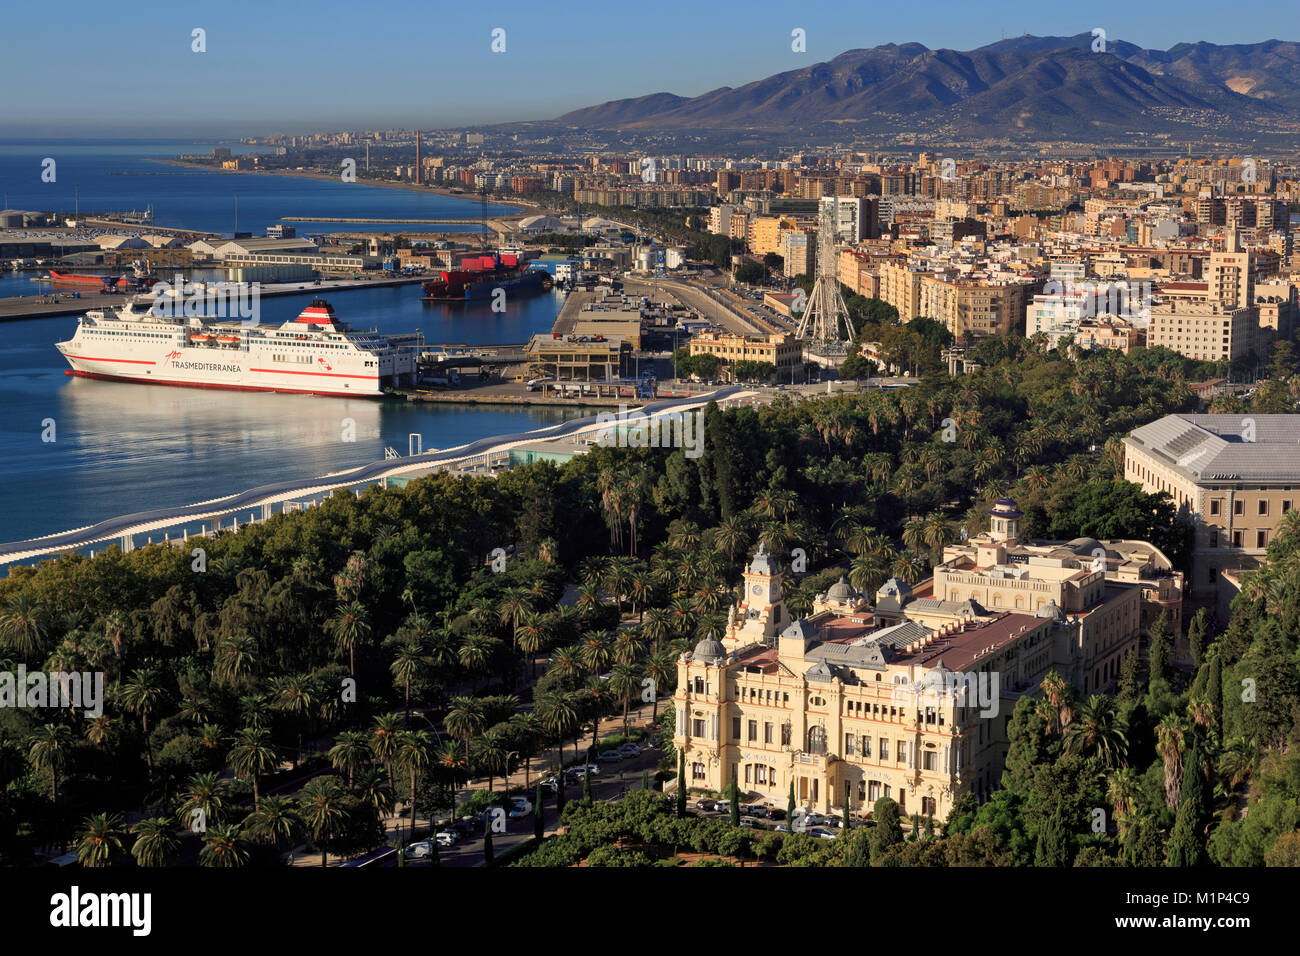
233	388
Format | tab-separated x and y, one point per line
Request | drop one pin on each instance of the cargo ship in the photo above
480	277
72	278
313	354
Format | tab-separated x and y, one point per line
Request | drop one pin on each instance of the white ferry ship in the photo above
313	354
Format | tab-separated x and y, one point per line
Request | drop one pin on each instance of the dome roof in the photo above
841	591
710	649
1006	508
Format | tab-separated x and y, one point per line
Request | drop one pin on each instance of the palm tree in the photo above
349	627
224	846
156	843
660	668
253	756
49	750
322	811
383	740
1058	695
236	659
101	839
406	666
515	603
141	695
596	651
465	718
277	822
350	753
294	694
658	626
476	652
532	636
414	748
559	716
23	625
624	682
202	802
491	754
528	730
1170	743
373	790
1123	789
938	532
1098	730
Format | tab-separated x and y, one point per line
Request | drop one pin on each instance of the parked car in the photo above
781	828
519	807
610	756
821	833
814	820
775	813
629	750
706	804
420	850
749	822
447	837
723	806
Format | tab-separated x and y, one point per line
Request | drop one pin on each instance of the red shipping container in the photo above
510	259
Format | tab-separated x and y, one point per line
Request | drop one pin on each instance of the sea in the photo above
118	448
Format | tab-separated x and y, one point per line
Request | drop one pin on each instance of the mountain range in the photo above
1024	87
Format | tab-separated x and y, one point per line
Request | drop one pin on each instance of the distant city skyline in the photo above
327	66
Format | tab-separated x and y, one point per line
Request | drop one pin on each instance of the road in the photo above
605	786
284	490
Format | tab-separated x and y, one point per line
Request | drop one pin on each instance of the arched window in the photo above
817	740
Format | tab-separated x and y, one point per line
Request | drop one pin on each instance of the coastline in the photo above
386	184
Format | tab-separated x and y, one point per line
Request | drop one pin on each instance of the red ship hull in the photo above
68	278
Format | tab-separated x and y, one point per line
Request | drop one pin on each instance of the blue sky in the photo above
127	69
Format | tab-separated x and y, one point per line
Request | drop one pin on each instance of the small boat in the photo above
200	337
227	338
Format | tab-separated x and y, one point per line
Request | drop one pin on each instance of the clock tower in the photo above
761	614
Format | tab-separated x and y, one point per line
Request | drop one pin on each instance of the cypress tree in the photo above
1186	842
1158	654
645	780
539	825
789	807
733	795
1197	632
1053	842
915	835
487	840
681	784
929	825
586	785
559	794
1130	676
846	815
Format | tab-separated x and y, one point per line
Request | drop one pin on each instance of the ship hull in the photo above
279	390
218	368
485	288
72	279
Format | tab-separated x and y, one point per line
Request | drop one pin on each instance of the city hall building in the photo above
910	699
